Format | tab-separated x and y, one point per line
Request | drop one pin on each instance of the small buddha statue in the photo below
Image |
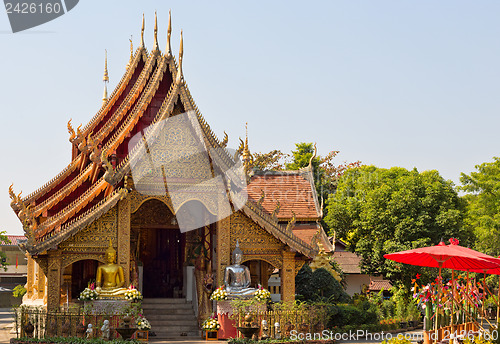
110	278
237	277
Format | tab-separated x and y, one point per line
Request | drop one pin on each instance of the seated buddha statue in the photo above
110	278
237	277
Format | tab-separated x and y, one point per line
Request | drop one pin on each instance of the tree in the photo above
483	205
378	211
274	160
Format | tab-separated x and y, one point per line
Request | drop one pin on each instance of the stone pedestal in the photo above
110	307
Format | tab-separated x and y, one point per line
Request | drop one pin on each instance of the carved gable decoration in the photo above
252	238
94	237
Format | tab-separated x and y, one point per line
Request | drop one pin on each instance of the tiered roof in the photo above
152	89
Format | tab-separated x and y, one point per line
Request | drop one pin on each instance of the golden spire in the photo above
105	78
142	32
181	54
156	47
246	155
168	51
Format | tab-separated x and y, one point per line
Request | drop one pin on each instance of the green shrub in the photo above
19	291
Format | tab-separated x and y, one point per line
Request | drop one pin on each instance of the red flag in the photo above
16	261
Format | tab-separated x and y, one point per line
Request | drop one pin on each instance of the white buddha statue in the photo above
237	277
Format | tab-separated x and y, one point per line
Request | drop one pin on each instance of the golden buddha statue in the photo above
110	278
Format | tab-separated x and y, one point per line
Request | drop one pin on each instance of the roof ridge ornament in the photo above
168	50
313	156
142	32
181	55
105	78
131	53
156	46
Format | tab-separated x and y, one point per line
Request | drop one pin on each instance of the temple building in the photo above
148	174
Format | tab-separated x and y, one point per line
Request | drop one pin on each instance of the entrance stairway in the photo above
171	319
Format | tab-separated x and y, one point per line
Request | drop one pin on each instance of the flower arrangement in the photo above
89	293
219	294
142	323
133	294
211	324
262	294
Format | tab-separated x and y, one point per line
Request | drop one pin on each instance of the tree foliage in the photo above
318	285
483	205
378	211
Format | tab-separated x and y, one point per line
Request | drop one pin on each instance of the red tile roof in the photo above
14	240
306	232
291	188
348	261
377	285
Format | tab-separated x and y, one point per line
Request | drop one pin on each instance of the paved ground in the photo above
6	321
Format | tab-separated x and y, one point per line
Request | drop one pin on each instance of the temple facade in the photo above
166	224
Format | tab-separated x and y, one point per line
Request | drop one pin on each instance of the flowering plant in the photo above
142	323
89	293
133	294
262	294
211	324
219	294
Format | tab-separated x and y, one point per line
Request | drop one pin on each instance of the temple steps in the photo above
171	319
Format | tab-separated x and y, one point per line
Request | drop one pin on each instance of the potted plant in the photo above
211	327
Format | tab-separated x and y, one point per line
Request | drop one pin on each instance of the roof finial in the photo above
105	78
246	155
156	47
181	54
313	156
168	52
131	52
142	32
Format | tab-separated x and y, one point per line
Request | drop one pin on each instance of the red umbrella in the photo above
451	256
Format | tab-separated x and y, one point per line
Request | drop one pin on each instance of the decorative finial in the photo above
313	156
105	78
131	52
142	32
168	51
181	54
156	47
246	156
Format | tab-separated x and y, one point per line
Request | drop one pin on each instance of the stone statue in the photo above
89	331
110	277
237	277
105	329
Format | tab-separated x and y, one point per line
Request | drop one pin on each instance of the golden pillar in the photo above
288	276
223	248
31	277
54	275
41	283
123	258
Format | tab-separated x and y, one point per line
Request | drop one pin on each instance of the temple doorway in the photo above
160	250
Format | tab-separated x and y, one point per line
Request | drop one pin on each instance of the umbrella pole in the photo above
467	293
436	322
498	306
484	299
452	298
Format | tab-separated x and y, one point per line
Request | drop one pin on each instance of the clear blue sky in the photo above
390	83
